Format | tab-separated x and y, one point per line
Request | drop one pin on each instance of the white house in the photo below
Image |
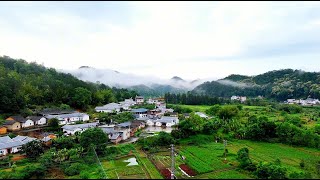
203	115
152	101
109	108
141	112
167	121
71	118
38	120
8	145
139	99
238	98
72	129
23	121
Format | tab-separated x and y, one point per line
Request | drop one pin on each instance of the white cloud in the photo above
162	37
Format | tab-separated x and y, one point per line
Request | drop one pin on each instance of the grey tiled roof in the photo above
5	139
19	119
81	126
167	119
34	118
139	110
125	124
9	122
115	136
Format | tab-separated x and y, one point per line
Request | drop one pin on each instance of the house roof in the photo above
71	115
48	111
80	126
5	139
125	124
108	130
24	139
10	144
115	136
46	139
110	106
167	119
140	110
34	118
142	118
9	122
19	118
7	142
139	97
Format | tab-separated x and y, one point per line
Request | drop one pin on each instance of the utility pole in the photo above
225	153
172	161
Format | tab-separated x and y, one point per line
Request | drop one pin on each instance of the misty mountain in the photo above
144	85
277	84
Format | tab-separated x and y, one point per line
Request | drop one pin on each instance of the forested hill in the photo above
278	84
27	86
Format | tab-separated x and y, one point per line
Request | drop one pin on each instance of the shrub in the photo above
73	169
84	175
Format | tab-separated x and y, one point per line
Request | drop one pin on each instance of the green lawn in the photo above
207	158
201	108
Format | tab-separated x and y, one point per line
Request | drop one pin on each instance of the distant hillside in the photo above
25	86
155	89
277	84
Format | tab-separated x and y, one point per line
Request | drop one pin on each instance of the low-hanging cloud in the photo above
235	84
119	79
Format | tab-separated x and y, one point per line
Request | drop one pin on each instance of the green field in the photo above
201	108
207	158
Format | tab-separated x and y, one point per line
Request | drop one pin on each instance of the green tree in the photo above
270	171
53	124
94	136
81	97
244	160
33	149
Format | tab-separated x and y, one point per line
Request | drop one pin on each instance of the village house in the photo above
167	121
141	112
202	115
152	101
3	130
25	123
127	103
71	118
186	115
154	113
50	113
116	137
139	99
38	120
303	102
148	121
238	98
72	129
8	145
173	114
126	129
12	125
109	108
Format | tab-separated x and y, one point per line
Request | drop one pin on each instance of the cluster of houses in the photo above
13	145
303	102
16	123
142	118
239	98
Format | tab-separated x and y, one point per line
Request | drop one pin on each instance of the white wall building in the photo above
72	129
167	121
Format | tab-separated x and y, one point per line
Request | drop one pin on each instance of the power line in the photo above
105	175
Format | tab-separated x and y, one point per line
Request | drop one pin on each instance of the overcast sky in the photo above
188	39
